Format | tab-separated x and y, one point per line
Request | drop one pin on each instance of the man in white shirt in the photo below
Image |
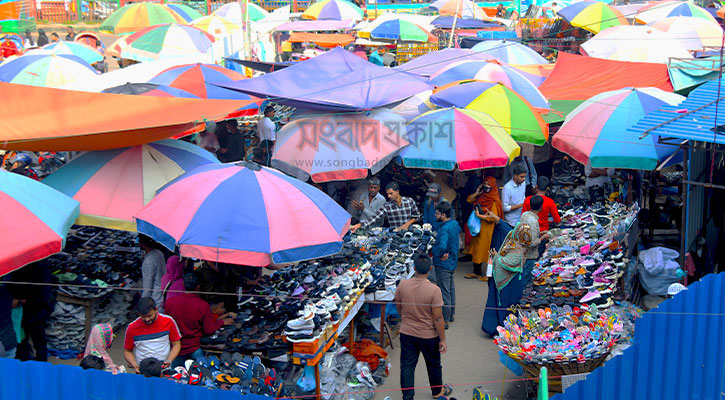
267	132
366	205
597	176
514	194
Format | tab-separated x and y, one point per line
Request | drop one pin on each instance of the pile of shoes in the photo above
568	172
230	371
559	334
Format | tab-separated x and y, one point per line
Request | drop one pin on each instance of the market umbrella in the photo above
149	89
442	139
48	70
520	119
596	131
339	147
694	33
402	30
414	105
136	16
510	52
92	40
215	25
86	53
166	41
593	16
117	46
635	43
112	185
233	12
186	12
462	8
657	11
244	214
36	220
201	80
534	73
337	10
492	72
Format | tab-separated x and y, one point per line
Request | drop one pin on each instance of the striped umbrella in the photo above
510	52
166	41
462	8
86	53
442	139
233	12
520	119
657	11
492	72
92	40
113	185
215	25
337	10
415	105
186	12
149	89
339	147
48	70
694	33
401	30
635	43
136	16
37	219
593	16
596	131
534	73
244	214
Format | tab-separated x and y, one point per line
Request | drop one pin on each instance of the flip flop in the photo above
195	374
447	390
228	379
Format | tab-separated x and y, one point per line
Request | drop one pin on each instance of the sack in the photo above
474	224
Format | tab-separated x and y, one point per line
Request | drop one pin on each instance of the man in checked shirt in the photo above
400	211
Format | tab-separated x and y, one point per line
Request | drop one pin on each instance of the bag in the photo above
489	265
474	224
17	318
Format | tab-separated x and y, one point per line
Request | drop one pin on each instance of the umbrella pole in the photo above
453	27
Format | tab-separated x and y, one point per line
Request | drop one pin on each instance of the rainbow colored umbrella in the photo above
507	107
596	131
510	52
87	54
166	41
37	219
186	12
492	72
462	8
113	185
337	10
149	89
415	105
91	40
48	70
401	30
694	33
244	214
593	16
657	11
201	79
215	25
136	16
635	43
534	73
233	12
440	139
358	143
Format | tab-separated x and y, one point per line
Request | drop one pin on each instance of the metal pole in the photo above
685	196
453	27
248	32
79	11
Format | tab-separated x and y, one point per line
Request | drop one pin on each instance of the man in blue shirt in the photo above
376	56
445	258
432	199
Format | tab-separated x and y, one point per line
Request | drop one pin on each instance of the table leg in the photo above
89	315
382	325
351	339
318	394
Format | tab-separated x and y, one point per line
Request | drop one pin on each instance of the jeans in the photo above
34	331
410	349
444	280
179	361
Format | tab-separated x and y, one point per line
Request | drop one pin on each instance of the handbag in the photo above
474	224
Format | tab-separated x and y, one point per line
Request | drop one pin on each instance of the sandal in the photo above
471	276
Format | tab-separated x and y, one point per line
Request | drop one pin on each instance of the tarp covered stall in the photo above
314	26
322	39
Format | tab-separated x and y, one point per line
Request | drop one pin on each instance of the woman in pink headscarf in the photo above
172	283
99	342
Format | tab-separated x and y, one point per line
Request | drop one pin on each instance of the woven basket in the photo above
556	370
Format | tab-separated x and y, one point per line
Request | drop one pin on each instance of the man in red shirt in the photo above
151	335
549	207
9	48
194	317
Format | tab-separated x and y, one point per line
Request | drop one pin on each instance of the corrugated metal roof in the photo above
692	119
678	352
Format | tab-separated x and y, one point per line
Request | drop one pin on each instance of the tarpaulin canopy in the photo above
446	22
322	39
64	120
260	65
321	25
334	81
430	63
594	76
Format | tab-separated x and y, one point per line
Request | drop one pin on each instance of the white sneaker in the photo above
384	295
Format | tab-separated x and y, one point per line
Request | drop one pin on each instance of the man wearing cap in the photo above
432	199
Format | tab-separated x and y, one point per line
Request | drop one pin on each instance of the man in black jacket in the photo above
8	342
38	303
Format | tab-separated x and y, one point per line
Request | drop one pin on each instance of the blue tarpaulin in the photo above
446	22
334	81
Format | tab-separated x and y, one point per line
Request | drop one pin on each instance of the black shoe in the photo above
446	327
451	319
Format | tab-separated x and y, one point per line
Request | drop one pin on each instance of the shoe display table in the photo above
88	304
384	328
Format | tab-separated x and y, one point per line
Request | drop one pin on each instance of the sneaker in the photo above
384	295
593	294
301	324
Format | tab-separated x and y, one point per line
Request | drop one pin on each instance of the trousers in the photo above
444	280
410	349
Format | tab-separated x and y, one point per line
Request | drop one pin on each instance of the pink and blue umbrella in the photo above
244	214
596	131
37	218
